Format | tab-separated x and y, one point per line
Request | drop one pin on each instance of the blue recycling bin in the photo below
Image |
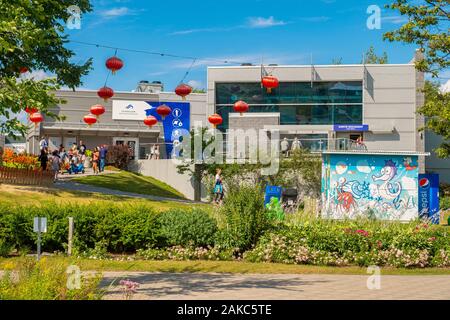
272	192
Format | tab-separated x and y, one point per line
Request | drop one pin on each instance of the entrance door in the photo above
132	143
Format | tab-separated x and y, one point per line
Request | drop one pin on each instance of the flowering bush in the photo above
21	161
180	253
362	243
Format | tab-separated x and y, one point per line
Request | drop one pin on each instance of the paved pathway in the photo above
212	286
68	184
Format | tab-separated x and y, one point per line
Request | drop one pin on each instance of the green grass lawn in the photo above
29	195
218	266
132	182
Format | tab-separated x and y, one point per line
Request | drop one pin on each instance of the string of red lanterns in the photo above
183	90
215	119
105	93
150	121
36	118
90	119
241	107
114	64
97	110
270	82
163	110
30	110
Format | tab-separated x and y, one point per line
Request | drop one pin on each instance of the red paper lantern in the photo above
114	64
183	90
105	93
150	121
270	82
163	111
215	119
36	118
31	110
97	110
241	107
90	119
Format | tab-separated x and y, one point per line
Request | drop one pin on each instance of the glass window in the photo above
290	92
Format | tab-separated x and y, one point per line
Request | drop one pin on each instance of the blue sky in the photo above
282	31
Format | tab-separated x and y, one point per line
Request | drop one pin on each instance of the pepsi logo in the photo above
424	182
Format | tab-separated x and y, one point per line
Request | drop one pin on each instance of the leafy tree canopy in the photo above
427	27
32	36
437	112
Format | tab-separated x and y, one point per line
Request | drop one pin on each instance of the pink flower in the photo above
432	239
364	233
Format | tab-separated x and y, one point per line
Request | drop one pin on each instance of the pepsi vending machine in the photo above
429	197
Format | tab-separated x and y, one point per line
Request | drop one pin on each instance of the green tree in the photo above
427	27
437	112
370	57
32	37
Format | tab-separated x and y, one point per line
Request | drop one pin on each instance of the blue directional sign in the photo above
176	124
351	127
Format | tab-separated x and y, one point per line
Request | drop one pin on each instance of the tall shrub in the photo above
245	217
186	228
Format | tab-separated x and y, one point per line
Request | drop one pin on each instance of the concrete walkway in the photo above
68	184
212	286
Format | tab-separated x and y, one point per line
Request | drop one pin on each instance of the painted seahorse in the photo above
388	190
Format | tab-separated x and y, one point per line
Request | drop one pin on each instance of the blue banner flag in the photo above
175	125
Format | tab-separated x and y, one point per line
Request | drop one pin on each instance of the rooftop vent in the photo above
146	86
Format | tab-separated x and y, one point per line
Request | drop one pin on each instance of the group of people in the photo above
71	160
296	145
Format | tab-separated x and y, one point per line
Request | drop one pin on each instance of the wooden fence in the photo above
25	176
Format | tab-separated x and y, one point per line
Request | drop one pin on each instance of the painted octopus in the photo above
388	190
346	201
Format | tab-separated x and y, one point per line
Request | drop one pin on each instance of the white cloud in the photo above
261	22
252	23
255	58
446	87
37	75
115	12
316	19
394	19
195	84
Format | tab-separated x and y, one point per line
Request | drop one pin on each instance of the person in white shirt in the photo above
152	151
285	147
296	144
43	144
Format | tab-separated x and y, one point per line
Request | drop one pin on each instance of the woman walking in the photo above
95	160
218	187
56	164
43	158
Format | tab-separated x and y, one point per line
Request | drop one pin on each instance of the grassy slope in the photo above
132	182
21	195
219	266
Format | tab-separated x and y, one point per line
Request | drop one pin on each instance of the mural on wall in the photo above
377	186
